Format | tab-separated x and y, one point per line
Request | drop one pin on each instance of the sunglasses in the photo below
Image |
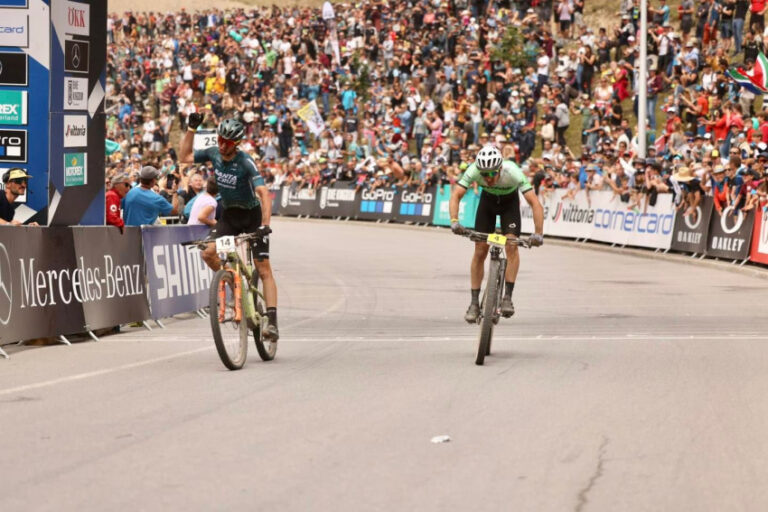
489	174
227	142
20	181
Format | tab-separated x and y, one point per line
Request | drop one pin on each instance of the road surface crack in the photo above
582	499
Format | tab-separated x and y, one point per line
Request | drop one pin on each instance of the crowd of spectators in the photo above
434	94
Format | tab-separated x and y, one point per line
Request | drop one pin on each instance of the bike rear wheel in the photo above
490	305
229	334
267	349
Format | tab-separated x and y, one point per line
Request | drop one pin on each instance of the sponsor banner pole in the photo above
113	266
690	233
178	279
730	234
42	288
759	252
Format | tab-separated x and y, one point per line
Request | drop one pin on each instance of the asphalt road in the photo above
622	383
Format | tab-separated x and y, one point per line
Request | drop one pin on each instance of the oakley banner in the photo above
42	286
177	277
690	233
338	200
114	263
730	233
298	202
759	252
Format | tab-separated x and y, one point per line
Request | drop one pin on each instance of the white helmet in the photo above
489	158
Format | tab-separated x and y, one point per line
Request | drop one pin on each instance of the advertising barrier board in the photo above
729	234
177	277
376	204
759	252
338	200
117	264
411	206
467	208
690	233
299	202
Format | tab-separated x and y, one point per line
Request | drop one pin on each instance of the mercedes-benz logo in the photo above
76	56
6	286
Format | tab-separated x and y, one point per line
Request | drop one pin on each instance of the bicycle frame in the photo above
233	260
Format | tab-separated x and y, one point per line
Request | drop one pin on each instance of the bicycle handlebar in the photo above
477	236
205	241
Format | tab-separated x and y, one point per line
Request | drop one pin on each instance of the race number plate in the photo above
496	239
225	244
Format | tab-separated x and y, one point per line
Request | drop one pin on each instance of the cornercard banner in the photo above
117	265
690	233
42	287
602	216
730	233
177	276
759	252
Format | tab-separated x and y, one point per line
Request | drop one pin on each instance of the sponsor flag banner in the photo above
310	114
177	277
730	234
690	233
113	266
338	200
42	288
604	218
411	206
759	252
467	208
298	202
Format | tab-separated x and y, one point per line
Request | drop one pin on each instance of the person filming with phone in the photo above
142	205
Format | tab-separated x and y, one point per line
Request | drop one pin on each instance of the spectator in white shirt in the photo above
204	209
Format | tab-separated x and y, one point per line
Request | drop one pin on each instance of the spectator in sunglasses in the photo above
15	183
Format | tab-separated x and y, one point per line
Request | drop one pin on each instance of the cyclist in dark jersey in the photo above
500	181
245	198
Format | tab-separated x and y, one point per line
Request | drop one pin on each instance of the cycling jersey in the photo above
511	179
235	178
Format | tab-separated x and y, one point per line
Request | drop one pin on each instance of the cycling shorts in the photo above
507	207
237	221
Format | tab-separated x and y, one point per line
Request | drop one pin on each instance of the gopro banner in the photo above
299	202
759	252
412	206
42	287
690	233
338	200
730	233
377	204
177	276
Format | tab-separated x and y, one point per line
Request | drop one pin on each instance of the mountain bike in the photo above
494	286
236	302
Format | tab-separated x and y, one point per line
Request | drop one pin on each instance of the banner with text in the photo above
690	234
729	234
412	206
177	276
467	208
338	200
118	295
298	202
759	252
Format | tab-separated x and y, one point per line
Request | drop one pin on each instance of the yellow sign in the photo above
496	239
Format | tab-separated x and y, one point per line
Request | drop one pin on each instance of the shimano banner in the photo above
604	218
42	287
338	200
690	234
411	206
299	202
759	252
115	261
730	233
178	278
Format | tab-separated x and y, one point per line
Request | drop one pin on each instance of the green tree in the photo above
511	48
361	77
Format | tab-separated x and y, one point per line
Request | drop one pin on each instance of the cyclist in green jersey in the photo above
501	180
245	198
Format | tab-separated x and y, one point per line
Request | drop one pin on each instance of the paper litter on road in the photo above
441	439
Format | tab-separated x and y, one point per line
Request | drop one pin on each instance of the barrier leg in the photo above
3	354
694	255
64	340
146	325
704	256
93	336
743	262
158	322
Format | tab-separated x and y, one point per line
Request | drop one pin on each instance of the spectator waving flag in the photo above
756	80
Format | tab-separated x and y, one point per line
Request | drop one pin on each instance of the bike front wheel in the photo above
490	304
229	327
267	349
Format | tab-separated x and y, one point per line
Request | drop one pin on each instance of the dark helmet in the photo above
231	129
